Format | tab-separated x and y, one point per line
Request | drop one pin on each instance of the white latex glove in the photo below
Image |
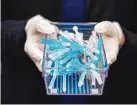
36	29
112	37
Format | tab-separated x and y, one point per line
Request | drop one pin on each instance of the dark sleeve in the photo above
12	39
131	34
129	49
130	40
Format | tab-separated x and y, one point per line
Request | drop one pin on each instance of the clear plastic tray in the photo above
68	84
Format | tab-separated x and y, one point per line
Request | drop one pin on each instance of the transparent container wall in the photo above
68	83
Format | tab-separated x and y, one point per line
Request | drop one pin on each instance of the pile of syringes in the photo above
74	66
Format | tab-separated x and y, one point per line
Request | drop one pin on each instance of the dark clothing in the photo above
22	83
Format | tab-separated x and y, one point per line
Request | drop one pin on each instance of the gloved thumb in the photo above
106	28
45	27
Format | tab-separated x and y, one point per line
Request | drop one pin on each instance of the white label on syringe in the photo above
94	91
97	76
53	91
93	80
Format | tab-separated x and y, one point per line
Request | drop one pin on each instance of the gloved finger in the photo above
120	32
41	62
37	58
37	55
54	35
111	48
45	27
111	57
36	37
38	65
106	28
33	21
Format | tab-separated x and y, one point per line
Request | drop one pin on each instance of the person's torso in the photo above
123	11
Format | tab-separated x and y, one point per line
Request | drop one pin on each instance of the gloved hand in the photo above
112	36
36	29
